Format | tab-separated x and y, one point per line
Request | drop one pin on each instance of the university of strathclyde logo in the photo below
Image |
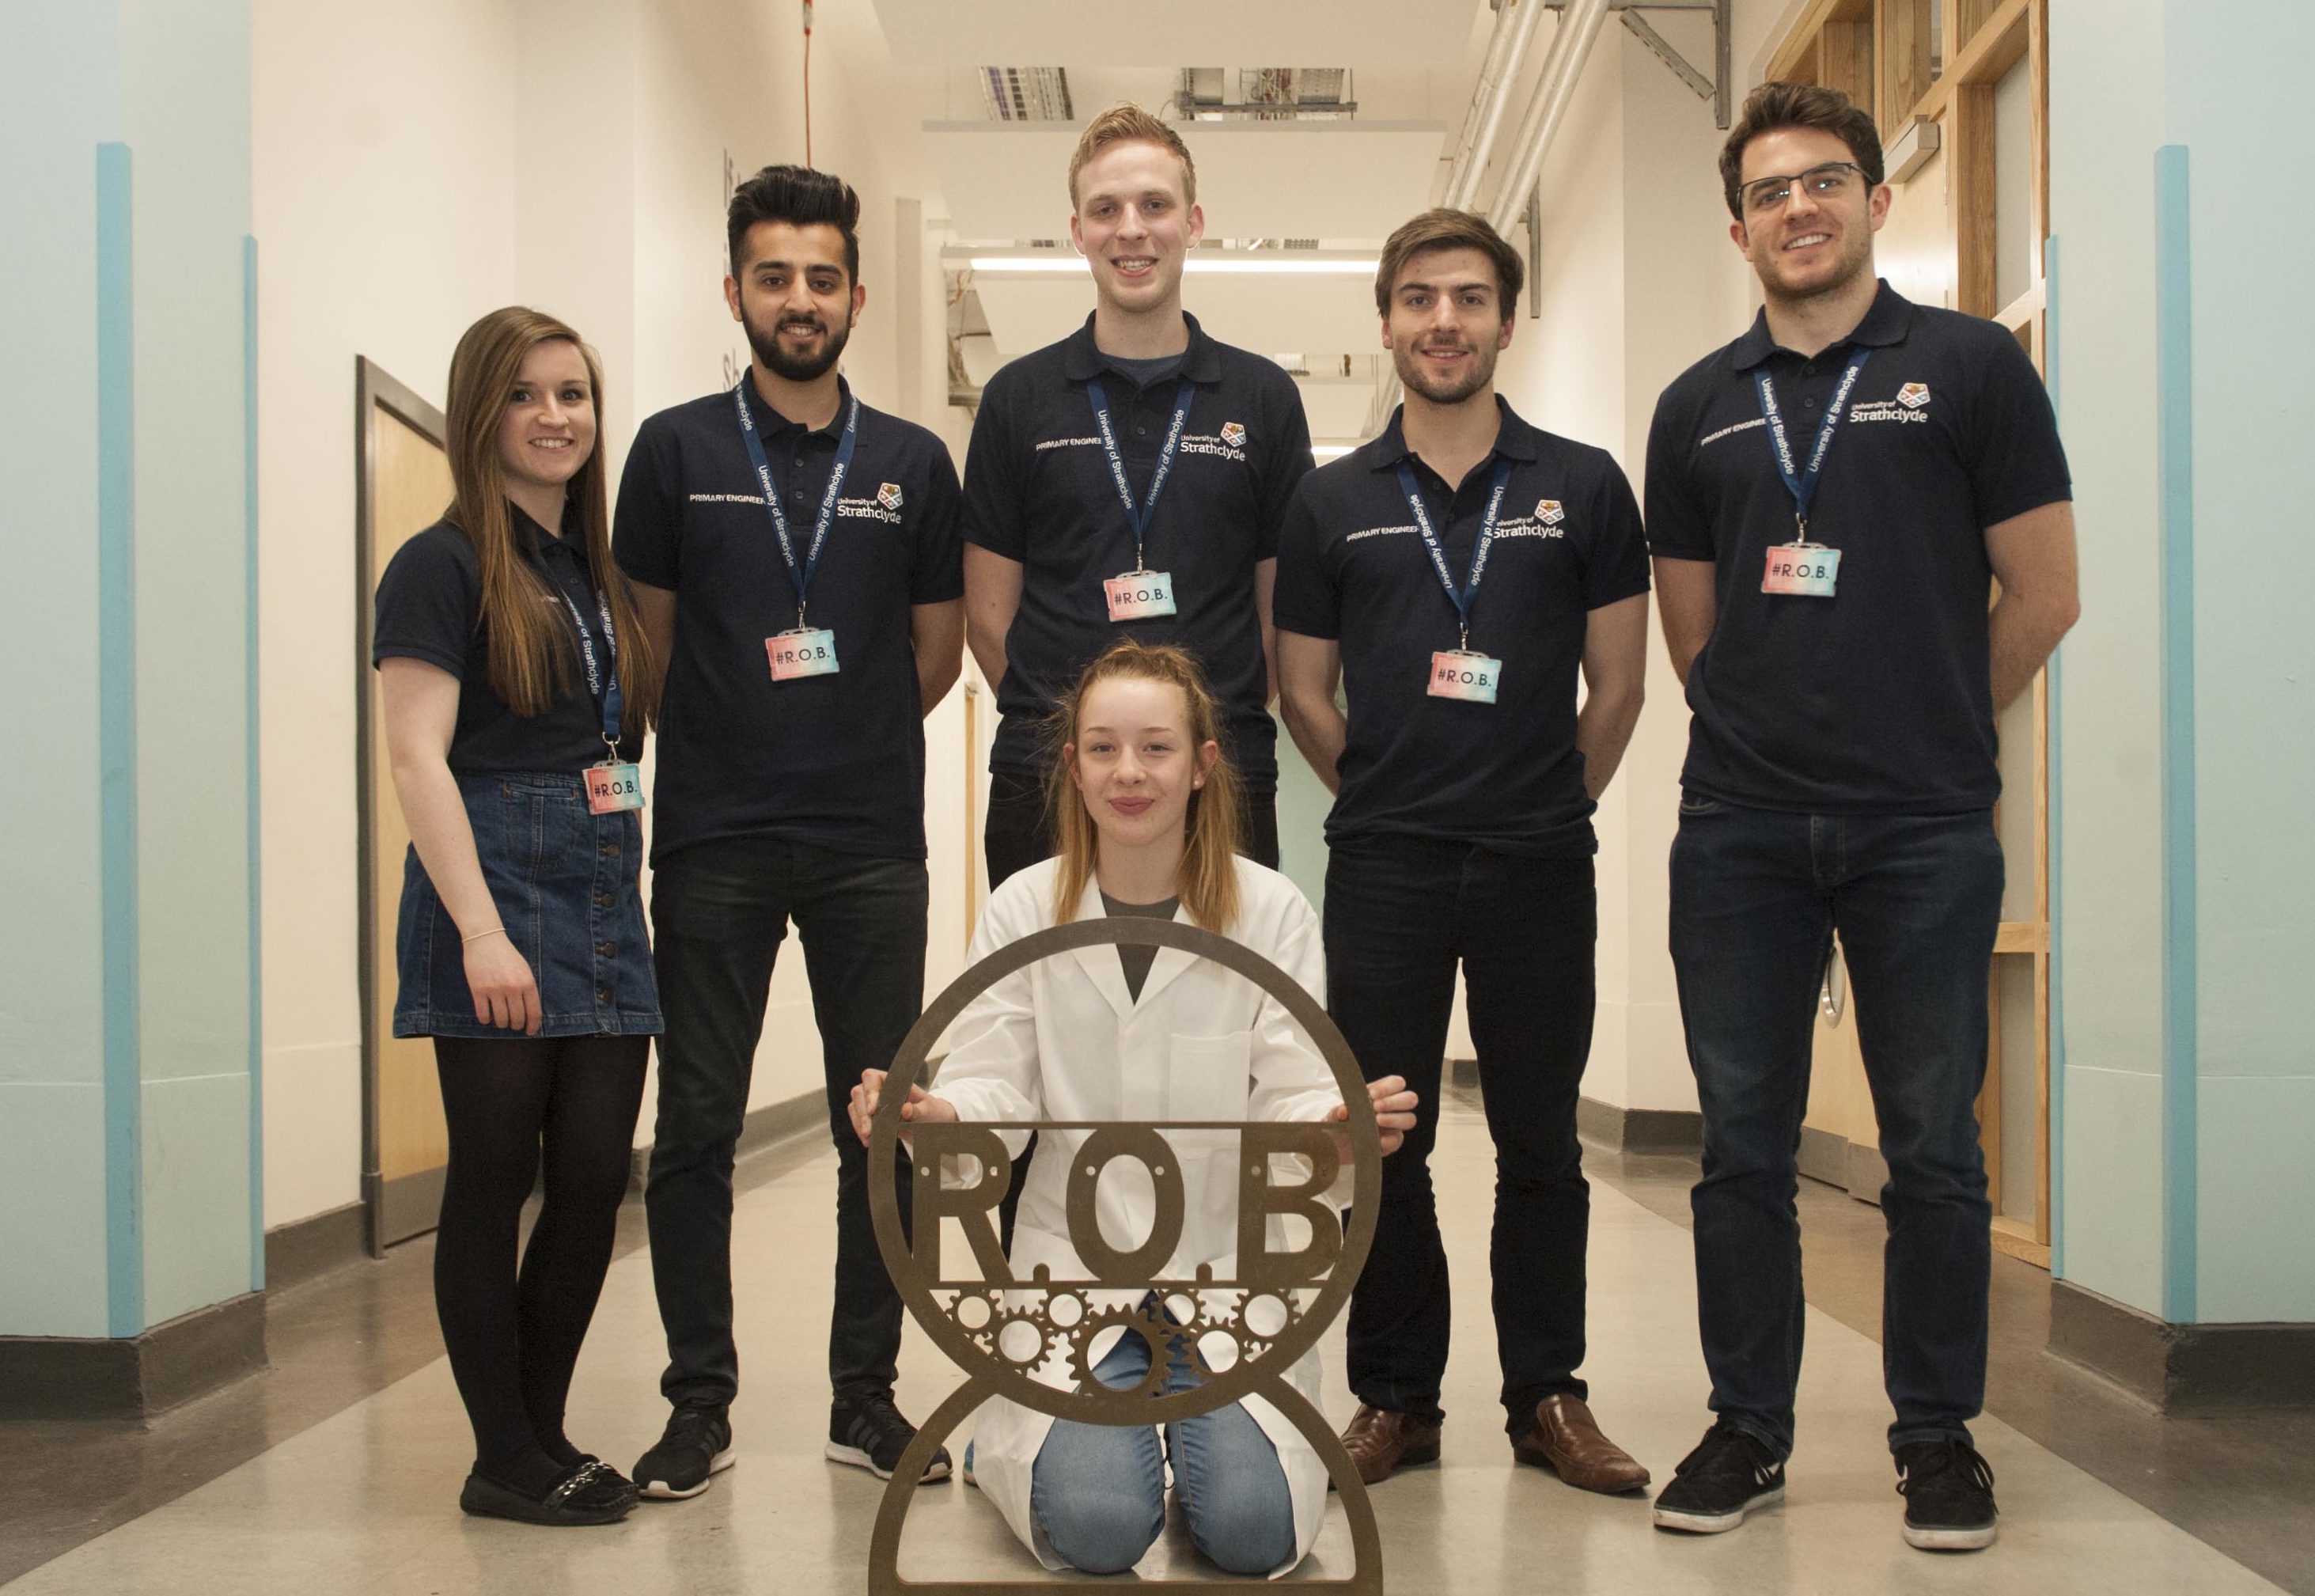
1913	395
889	495
1549	513
1233	434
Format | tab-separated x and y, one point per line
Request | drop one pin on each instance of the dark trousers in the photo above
1402	912
1755	899
1017	835
720	912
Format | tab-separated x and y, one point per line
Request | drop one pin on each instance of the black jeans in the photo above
1401	913
1015	834
1756	897
719	912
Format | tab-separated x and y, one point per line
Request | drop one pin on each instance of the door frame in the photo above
393	1211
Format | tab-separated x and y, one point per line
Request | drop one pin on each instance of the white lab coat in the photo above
1060	1040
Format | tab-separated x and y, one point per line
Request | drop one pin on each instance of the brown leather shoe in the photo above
1379	1441
1566	1440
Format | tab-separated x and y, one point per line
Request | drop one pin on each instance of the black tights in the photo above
513	1336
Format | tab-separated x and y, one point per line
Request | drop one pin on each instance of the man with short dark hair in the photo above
1829	500
1127	482
1457	574
795	554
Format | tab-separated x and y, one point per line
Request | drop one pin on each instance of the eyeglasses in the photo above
1833	179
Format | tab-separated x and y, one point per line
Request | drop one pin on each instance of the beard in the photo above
786	363
1855	259
1414	376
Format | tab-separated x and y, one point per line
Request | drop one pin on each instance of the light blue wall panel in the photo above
185	73
2257	1253
2114	1188
196	1197
126	1017
59	100
2255	562
53	112
2254	498
52	1253
2106	93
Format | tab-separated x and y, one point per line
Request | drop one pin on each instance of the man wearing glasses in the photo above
1829	499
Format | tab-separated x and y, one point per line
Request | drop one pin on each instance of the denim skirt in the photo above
566	883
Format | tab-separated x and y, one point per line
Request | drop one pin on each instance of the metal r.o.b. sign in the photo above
1246	1331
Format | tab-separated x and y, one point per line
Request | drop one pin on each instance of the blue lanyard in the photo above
801	578
603	683
1463	598
1137	515
1803	485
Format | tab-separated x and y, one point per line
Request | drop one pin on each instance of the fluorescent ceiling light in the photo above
1196	262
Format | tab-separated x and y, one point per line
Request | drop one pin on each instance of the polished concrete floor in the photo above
338	1469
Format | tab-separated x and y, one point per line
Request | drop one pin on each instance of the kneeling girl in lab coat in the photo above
1145	818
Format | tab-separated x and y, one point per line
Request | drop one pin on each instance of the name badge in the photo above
1457	673
804	651
1139	595
1806	569
613	786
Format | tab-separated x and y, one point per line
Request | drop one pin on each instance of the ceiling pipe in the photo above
1571	46
1563	66
1491	97
1490	73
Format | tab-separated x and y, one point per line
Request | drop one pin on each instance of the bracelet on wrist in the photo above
477	936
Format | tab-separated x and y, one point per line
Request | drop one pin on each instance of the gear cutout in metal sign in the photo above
1001	1329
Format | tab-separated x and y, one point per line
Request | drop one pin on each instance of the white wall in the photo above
408	178
1639	282
383	208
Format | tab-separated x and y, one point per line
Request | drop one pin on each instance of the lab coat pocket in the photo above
1207	1076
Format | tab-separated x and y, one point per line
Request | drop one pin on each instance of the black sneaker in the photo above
1728	1475
591	1492
869	1432
1949	1492
696	1444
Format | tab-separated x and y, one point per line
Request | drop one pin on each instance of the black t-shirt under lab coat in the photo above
1352	567
1879	700
429	608
1038	490
836	761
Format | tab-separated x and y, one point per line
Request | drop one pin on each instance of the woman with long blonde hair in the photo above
517	688
1146	820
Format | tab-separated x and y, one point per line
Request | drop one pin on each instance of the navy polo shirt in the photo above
429	608
1352	567
1879	700
1038	490
836	761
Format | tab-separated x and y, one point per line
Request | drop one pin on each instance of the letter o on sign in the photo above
1146	1147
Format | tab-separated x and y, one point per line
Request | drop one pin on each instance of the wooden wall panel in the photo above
1845	61
1969	150
1901	46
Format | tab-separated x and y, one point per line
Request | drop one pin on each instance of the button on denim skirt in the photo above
565	881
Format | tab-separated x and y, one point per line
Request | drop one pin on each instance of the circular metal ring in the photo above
916	1284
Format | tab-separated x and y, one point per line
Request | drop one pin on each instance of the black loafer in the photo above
594	1493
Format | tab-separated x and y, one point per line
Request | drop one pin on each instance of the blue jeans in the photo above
1099	1490
1756	897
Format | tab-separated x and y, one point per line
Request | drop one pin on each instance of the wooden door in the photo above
405	486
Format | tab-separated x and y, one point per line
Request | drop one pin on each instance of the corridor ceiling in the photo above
1407	33
1334	188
